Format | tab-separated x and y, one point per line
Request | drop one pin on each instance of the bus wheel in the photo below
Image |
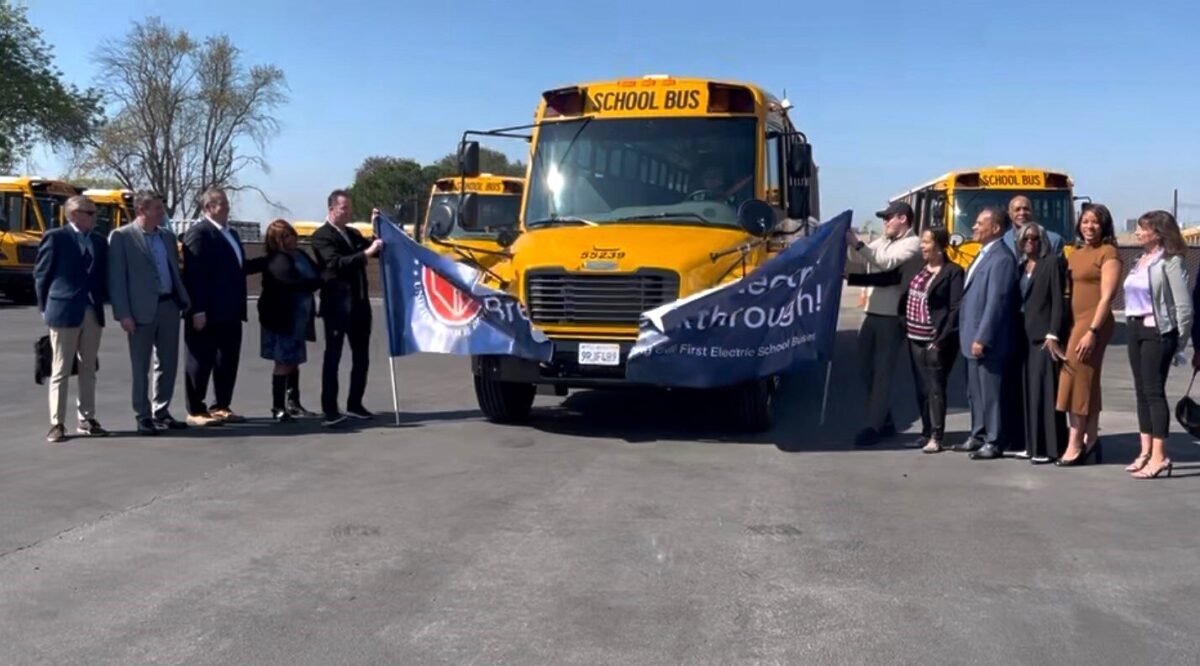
503	402
751	404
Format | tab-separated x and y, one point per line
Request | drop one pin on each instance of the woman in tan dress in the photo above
1095	272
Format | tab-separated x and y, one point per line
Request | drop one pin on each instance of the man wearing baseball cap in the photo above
891	261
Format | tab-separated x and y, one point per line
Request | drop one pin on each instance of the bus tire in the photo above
503	402
752	405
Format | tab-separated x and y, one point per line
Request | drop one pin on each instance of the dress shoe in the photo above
987	452
145	427
969	445
333	420
916	442
226	416
867	437
1040	460
92	428
57	434
359	412
204	420
297	410
282	416
168	422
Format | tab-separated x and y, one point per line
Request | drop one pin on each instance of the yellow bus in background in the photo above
305	228
497	203
953	200
639	191
114	208
29	205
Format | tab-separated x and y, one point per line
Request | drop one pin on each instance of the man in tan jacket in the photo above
892	260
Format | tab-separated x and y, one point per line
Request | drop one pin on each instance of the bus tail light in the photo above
729	99
563	102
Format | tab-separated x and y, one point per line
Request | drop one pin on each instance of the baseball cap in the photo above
897	208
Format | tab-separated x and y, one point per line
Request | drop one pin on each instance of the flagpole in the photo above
825	393
383	269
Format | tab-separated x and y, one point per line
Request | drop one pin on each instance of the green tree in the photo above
490	161
387	183
35	104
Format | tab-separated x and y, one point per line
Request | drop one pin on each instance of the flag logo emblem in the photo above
445	301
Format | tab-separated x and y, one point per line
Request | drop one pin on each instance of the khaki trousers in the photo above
83	340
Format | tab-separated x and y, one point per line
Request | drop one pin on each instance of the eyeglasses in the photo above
1033	239
85	212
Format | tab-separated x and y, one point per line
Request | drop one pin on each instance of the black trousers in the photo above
211	353
880	341
931	370
1150	355
1045	427
357	330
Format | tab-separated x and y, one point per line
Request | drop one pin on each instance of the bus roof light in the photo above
563	102
729	99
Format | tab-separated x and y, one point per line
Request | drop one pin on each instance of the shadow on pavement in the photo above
646	415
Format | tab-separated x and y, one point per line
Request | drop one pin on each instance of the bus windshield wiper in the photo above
555	221
665	216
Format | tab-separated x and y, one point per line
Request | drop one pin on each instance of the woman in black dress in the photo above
286	313
1045	316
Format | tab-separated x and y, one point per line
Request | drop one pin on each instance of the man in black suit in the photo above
214	272
342	255
70	278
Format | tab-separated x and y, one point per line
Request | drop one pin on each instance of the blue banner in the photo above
779	317
435	304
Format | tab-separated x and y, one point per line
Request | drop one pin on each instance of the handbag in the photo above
1187	412
43	360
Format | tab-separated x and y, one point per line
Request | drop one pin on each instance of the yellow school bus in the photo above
305	228
498	208
29	205
641	191
114	208
952	201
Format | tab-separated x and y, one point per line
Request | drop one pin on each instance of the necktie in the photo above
87	261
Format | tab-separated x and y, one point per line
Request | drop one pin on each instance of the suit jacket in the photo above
133	276
64	289
343	268
215	275
943	297
281	284
989	303
1045	302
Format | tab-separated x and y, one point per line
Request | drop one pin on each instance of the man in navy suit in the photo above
70	277
214	272
985	333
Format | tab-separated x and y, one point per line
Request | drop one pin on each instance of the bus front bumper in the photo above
564	369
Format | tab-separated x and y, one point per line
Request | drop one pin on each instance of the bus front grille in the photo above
555	296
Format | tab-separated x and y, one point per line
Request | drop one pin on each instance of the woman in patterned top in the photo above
929	310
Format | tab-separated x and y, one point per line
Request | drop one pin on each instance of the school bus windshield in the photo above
1052	209
496	211
693	171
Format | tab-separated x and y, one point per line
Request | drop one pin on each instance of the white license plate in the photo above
591	353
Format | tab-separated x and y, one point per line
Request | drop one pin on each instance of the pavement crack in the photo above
110	515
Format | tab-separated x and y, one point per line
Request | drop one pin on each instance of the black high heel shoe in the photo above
1093	452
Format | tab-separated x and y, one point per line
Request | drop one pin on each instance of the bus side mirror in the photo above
756	217
468	159
441	221
799	207
468	212
800	160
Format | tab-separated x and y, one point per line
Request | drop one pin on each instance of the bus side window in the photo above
10	215
773	156
935	204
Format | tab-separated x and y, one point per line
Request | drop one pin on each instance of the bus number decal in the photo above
602	254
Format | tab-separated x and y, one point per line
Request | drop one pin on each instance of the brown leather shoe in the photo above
226	416
92	428
203	420
57	434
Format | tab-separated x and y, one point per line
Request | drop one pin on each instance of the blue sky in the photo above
890	93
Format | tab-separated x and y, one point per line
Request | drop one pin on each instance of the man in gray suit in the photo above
148	297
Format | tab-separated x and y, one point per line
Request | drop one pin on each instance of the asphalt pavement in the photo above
614	528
